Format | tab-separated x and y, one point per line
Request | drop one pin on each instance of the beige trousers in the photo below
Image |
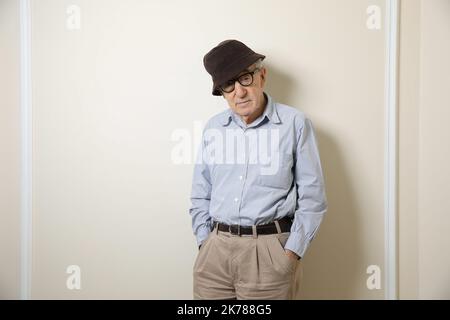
245	267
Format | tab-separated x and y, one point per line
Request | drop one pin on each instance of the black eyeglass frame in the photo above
232	82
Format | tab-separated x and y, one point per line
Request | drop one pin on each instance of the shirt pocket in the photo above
277	175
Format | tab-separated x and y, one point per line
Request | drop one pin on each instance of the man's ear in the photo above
263	75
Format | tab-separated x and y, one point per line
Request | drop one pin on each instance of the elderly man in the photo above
258	194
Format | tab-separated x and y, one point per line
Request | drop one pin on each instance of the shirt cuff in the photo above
297	244
202	234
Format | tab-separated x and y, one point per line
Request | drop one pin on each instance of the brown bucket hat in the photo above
227	60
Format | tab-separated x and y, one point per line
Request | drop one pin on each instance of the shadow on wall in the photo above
333	267
279	85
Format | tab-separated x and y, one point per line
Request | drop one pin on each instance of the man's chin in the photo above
245	110
244	114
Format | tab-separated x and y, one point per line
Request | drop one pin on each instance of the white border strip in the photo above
26	151
390	209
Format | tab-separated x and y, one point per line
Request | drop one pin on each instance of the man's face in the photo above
248	100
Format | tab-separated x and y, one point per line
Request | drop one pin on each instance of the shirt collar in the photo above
270	112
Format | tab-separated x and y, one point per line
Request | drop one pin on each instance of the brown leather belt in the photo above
270	228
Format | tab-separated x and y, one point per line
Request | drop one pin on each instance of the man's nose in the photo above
240	89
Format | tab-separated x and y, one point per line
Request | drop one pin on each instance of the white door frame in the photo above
26	151
391	150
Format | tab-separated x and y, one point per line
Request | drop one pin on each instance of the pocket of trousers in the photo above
286	263
202	255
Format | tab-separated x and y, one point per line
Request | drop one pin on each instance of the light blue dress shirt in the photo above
257	173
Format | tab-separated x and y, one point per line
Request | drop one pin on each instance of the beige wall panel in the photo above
108	96
9	150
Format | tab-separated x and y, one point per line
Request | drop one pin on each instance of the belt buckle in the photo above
230	229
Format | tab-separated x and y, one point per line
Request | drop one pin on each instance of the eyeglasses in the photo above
245	80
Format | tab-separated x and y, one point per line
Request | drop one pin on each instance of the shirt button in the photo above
240	177
236	199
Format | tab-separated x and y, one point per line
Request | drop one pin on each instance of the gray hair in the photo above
259	63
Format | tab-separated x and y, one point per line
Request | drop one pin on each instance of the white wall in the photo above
107	196
107	98
424	154
409	103
434	155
